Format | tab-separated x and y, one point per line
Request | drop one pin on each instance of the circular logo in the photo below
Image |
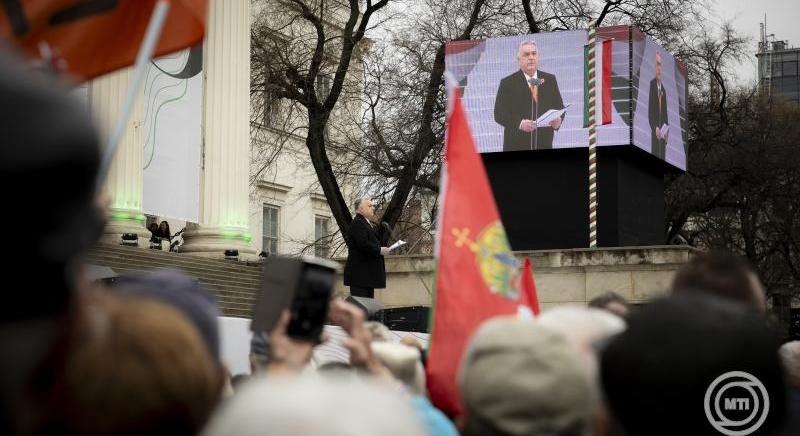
736	403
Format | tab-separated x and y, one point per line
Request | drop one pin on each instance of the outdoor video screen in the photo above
659	101
527	92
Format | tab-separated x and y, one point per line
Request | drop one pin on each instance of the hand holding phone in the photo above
287	354
301	286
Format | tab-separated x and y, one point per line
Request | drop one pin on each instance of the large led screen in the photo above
659	101
514	90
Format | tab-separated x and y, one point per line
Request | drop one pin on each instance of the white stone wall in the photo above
291	185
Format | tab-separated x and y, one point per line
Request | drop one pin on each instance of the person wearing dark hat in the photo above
659	375
49	160
183	292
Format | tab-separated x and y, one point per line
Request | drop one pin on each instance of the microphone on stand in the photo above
535	81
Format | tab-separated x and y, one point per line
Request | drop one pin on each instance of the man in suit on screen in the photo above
524	96
657	113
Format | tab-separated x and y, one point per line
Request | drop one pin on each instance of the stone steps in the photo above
235	284
134	254
210	275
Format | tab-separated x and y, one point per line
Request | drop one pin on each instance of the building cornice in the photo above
284	189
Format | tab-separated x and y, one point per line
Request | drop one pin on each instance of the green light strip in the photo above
230	234
122	216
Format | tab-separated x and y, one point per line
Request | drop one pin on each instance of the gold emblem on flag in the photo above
496	263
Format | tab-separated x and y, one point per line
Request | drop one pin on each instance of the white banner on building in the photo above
173	101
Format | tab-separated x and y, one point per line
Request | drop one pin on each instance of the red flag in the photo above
606	82
94	37
477	275
529	287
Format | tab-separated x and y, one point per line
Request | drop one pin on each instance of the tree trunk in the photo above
315	142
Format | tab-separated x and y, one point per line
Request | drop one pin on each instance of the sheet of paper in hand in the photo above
549	116
664	131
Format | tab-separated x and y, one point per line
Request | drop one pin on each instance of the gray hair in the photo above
583	325
526	42
379	332
315	406
357	203
584	328
403	362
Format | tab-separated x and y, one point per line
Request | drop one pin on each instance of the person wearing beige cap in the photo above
519	378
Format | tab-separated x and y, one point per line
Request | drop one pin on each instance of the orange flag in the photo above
94	37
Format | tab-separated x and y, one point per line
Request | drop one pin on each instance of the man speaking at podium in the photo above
524	96
364	270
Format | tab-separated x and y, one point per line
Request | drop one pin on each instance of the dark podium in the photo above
543	197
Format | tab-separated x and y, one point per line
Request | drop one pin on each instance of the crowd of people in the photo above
143	357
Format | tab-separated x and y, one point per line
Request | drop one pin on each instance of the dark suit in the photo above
364	270
658	117
514	103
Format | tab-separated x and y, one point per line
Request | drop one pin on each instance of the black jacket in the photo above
657	117
365	266
514	103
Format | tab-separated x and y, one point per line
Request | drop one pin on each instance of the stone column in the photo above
224	190
123	186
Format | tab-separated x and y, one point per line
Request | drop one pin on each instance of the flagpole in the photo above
451	87
592	141
151	36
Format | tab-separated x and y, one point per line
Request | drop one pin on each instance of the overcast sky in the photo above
783	19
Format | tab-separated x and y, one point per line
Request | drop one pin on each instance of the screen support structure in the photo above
592	141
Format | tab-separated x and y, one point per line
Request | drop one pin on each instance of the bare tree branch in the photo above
533	26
